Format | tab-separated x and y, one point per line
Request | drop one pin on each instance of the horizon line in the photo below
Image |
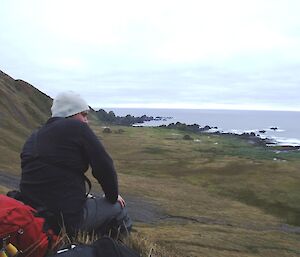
189	108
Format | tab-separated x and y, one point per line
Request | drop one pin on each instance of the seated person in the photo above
54	160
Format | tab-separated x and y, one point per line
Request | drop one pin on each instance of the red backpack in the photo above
20	226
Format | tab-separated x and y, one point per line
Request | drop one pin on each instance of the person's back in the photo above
54	160
53	167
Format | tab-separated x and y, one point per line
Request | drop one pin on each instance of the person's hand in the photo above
121	201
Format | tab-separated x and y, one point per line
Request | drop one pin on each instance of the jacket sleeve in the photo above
101	163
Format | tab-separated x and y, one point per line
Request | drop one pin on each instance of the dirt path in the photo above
139	209
145	211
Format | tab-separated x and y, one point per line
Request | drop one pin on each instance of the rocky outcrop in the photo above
128	120
184	127
107	130
187	137
251	137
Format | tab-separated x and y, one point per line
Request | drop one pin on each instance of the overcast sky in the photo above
232	54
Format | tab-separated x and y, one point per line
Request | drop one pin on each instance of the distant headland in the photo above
251	137
127	120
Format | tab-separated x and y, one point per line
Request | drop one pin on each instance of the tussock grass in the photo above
147	248
135	241
237	191
215	196
3	190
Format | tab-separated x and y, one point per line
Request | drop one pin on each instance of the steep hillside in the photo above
22	109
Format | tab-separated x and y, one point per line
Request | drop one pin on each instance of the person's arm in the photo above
101	163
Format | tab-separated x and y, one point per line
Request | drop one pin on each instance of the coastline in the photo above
227	121
256	136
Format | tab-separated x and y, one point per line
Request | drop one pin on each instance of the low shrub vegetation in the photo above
213	195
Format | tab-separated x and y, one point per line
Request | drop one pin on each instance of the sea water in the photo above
235	121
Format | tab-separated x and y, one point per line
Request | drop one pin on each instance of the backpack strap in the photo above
89	184
52	220
35	144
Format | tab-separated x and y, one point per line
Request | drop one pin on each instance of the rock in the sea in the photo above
274	128
205	128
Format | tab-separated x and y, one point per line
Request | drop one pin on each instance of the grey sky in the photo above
238	54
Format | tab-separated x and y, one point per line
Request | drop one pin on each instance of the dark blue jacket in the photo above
54	160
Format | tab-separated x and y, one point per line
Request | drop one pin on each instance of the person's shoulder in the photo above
69	123
76	124
73	122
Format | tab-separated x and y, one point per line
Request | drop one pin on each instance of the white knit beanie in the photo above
67	104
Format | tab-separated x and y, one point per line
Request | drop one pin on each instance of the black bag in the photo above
103	247
77	251
108	247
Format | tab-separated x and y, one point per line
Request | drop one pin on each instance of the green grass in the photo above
220	196
216	195
246	189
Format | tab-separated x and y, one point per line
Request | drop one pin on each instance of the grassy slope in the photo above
23	108
221	196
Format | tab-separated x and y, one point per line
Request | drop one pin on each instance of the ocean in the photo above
236	121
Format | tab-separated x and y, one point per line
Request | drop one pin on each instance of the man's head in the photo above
70	104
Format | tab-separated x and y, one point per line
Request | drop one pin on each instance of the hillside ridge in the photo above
23	108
